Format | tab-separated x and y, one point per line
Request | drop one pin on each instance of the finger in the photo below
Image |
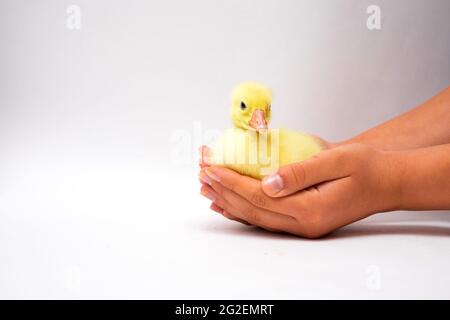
292	206
204	178
230	216
328	165
205	154
248	188
243	209
214	207
291	228
233	211
209	193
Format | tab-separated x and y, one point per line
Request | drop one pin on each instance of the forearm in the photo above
423	126
423	177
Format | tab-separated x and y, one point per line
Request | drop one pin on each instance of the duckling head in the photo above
251	106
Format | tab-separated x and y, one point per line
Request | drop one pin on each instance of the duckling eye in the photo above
269	107
243	106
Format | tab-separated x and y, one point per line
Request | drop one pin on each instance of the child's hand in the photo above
310	198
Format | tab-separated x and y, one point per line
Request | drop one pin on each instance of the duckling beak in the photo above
258	120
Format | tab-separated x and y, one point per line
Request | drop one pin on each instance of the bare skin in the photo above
403	164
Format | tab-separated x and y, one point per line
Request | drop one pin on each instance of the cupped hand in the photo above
310	198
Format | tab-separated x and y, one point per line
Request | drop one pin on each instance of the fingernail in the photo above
206	179
212	175
211	196
273	183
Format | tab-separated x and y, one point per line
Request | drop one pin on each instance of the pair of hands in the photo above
311	198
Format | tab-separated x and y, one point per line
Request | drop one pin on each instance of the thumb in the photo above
328	165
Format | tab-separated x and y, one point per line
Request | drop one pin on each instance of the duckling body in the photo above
259	154
252	149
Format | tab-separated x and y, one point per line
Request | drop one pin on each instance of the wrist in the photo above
393	170
356	139
422	178
375	141
331	145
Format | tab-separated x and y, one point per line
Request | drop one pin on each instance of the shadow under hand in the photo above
239	229
371	229
365	229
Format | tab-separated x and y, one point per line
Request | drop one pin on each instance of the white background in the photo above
96	200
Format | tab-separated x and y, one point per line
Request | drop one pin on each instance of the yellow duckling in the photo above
250	148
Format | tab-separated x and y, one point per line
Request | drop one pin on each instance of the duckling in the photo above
250	147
